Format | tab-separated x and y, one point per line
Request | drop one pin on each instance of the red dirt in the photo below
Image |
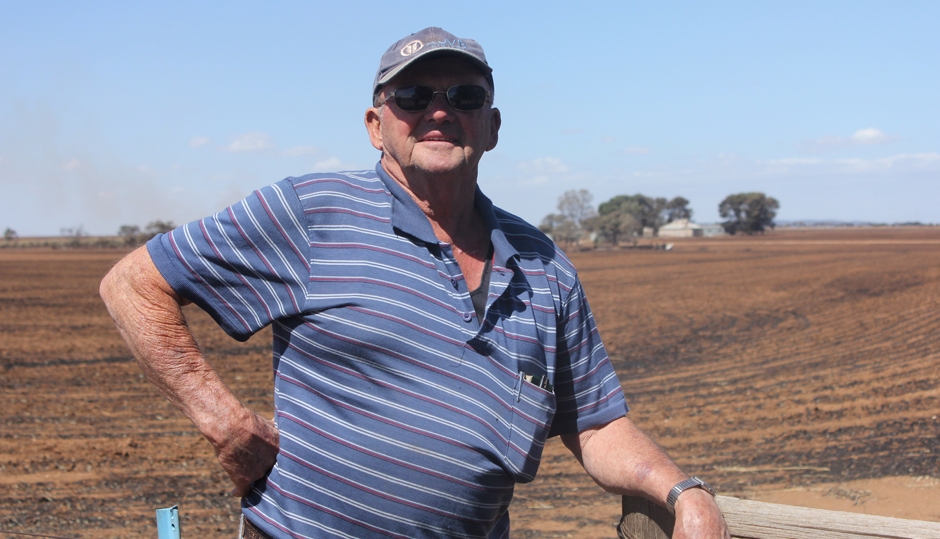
798	367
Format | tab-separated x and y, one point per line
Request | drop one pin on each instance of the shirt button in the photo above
454	282
467	317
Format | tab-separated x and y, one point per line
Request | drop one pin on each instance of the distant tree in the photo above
614	226
646	211
10	234
130	233
748	213
156	227
677	208
575	217
73	232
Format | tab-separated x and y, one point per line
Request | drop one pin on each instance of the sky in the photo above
122	113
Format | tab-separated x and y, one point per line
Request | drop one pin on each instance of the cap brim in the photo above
432	53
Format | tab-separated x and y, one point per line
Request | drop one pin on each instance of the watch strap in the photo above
682	486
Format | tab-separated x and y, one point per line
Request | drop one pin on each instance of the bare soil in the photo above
799	367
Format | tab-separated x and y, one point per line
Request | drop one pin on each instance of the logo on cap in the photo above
411	48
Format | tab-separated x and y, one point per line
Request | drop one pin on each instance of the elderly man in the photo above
426	344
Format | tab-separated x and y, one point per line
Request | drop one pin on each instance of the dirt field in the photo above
800	367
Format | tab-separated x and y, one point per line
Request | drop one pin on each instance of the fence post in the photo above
168	523
643	519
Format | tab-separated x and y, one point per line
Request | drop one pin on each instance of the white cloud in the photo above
869	136
297	151
199	142
901	163
331	164
636	150
251	142
543	165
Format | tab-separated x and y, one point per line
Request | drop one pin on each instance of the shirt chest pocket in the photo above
530	418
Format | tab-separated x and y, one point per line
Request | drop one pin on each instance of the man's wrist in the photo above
683	486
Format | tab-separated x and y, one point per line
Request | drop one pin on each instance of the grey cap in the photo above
430	41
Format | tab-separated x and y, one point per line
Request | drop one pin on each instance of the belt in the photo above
250	531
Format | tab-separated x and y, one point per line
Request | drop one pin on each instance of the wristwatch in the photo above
682	486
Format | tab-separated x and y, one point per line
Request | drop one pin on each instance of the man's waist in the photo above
250	531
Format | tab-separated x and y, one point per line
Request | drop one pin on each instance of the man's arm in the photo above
624	460
149	317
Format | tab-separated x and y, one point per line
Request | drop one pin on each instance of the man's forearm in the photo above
149	316
624	460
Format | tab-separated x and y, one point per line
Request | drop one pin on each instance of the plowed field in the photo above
792	362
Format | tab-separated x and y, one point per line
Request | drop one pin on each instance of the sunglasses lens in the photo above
463	97
413	98
466	97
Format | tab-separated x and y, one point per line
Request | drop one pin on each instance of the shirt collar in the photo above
408	218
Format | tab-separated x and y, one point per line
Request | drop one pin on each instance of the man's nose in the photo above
439	106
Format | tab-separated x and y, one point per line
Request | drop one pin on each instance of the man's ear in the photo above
495	121
373	121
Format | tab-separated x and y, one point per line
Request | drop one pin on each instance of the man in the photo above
425	343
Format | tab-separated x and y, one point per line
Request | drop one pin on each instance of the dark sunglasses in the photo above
462	97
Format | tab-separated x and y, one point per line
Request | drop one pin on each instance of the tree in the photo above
748	213
574	217
613	226
73	232
677	208
10	234
157	227
130	233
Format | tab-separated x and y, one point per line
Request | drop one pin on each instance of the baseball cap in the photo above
425	43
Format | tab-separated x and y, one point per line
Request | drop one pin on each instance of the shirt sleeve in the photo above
247	265
587	390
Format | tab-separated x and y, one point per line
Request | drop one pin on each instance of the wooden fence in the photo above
757	520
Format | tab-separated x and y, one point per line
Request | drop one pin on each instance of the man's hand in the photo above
698	516
247	450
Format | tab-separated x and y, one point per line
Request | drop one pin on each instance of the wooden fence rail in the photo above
757	520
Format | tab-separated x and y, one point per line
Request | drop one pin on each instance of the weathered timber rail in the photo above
758	520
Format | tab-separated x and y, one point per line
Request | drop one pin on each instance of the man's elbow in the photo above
131	276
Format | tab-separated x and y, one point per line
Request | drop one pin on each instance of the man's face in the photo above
438	140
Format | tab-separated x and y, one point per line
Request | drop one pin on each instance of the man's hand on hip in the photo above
247	449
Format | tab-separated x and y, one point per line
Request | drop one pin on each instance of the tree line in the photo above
626	216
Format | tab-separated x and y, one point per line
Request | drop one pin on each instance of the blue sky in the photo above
116	113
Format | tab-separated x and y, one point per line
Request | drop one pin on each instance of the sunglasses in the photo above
462	97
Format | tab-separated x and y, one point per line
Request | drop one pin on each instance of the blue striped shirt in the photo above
400	414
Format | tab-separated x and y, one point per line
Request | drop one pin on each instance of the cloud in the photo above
329	165
870	136
542	170
900	163
251	142
199	142
636	150
544	165
297	151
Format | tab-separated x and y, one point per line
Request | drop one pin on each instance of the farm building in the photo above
680	228
714	229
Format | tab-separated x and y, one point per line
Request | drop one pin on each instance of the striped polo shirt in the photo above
400	413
